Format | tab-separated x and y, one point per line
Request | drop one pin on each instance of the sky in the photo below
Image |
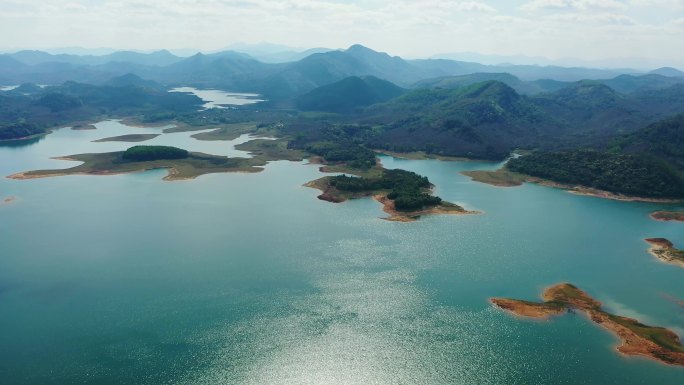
610	32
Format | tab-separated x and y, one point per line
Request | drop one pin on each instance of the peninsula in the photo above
665	251
636	338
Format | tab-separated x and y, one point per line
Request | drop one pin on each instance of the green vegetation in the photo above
485	120
129	138
20	130
663	139
352	154
149	153
348	95
406	189
269	149
634	175
24	116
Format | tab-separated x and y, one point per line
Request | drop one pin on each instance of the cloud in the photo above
555	28
572	5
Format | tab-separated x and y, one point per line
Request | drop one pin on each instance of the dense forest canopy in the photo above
621	173
408	190
148	153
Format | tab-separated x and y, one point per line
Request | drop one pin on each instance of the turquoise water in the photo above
249	279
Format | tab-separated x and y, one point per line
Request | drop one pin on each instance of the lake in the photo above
249	279
220	99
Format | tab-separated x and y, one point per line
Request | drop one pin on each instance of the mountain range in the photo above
308	70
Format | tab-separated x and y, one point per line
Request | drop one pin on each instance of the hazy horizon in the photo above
601	33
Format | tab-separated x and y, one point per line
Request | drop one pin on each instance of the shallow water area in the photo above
249	279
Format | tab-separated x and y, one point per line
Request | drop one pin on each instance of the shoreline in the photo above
505	178
421	155
636	339
30	137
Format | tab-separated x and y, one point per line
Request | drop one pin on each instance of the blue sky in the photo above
644	31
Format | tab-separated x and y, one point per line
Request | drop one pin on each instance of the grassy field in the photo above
500	178
270	150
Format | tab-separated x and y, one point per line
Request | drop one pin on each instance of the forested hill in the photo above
27	115
490	119
629	174
663	139
349	94
485	120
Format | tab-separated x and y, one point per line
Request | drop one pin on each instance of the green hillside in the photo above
349	94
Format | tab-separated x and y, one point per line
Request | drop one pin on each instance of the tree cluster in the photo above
149	153
407	189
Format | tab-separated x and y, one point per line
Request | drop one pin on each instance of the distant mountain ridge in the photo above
242	72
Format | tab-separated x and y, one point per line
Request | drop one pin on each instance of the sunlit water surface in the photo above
249	279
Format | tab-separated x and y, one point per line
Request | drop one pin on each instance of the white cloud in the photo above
556	28
572	5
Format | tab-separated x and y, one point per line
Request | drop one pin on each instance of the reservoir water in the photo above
249	279
220	99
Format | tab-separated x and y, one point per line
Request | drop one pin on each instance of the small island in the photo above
665	251
405	195
181	164
666	216
636	338
128	138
